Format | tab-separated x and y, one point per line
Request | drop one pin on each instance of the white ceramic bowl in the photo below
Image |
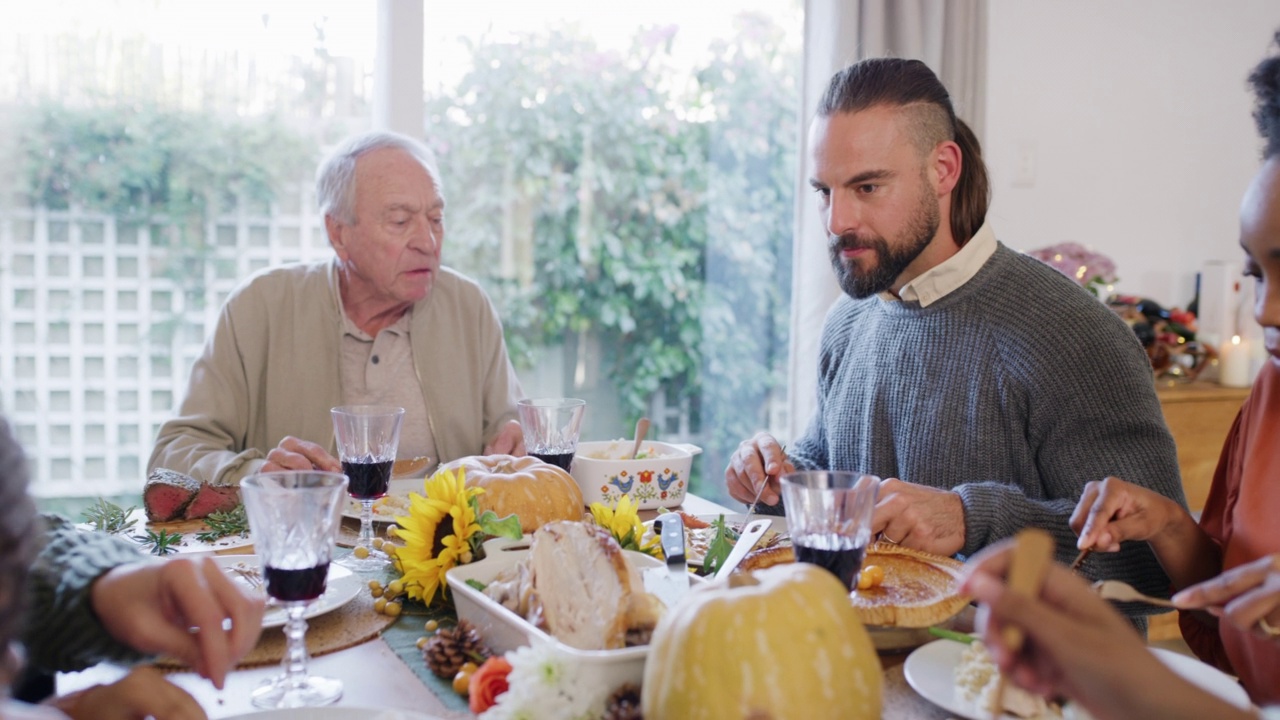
651	483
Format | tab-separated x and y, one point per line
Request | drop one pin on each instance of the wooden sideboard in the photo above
1199	415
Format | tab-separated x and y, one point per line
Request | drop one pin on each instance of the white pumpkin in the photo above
778	643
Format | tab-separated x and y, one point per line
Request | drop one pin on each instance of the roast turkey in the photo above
580	588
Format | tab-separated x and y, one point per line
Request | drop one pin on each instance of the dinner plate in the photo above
341	588
695	549
930	671
335	713
387	507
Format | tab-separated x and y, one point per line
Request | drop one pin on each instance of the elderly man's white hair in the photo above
336	177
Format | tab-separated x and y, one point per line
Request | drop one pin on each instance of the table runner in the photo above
402	637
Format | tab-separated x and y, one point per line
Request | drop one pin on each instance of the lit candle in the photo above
1233	363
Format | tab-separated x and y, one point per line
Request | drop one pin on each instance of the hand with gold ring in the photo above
1247	596
919	517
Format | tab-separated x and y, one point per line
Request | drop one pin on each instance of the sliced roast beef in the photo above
212	498
167	494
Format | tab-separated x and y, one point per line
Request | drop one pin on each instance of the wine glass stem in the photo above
366	524
295	657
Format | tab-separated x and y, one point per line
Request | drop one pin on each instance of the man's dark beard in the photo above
889	262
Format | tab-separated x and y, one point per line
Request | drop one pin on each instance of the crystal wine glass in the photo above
551	428
368	436
294	516
829	515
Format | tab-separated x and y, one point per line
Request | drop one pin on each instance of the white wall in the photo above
1134	118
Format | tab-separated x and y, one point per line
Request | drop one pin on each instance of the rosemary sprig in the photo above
224	523
162	543
109	518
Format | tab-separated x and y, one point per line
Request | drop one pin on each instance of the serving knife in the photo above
672	582
751	533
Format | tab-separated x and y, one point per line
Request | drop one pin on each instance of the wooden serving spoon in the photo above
642	429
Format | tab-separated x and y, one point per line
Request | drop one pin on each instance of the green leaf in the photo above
507	527
472	582
719	549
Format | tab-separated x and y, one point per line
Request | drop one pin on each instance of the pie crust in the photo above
919	588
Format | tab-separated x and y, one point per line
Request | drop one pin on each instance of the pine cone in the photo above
623	704
450	647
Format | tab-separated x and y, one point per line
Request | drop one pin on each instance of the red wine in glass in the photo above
296	585
368	479
840	555
560	459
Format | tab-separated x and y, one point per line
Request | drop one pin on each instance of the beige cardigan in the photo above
271	369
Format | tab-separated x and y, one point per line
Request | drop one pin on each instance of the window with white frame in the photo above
620	180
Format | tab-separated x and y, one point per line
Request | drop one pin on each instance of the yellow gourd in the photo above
778	643
535	491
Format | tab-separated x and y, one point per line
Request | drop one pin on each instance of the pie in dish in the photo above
919	588
415	467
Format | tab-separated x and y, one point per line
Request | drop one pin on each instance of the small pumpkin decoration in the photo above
535	491
777	643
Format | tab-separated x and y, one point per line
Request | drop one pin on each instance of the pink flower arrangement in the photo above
1090	270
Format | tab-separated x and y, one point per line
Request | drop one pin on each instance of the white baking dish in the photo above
503	630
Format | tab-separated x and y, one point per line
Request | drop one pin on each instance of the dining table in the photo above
376	676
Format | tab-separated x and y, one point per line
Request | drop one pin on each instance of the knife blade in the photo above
751	533
672	582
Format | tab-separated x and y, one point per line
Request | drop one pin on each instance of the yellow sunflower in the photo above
437	533
623	522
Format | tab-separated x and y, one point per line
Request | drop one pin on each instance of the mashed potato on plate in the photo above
976	680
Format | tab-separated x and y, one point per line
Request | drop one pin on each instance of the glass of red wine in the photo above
293	519
551	428
829	517
368	436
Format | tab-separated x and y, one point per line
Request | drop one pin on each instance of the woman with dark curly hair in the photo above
1228	563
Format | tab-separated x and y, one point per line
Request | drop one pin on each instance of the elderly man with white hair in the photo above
383	322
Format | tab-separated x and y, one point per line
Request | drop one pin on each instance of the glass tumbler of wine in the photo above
368	436
293	517
551	428
829	515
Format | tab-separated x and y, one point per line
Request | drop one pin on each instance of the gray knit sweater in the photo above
1014	390
62	632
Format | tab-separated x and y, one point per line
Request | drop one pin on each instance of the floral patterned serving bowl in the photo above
659	478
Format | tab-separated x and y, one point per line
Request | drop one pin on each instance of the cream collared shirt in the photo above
949	275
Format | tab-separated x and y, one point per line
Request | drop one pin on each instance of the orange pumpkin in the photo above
537	492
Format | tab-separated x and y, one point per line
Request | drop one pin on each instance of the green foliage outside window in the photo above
655	214
647	207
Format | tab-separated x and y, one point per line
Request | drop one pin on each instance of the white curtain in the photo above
949	36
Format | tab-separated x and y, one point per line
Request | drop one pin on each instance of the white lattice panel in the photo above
98	331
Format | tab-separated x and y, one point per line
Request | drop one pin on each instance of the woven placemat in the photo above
342	628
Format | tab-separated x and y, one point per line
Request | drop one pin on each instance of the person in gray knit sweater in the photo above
77	598
985	387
